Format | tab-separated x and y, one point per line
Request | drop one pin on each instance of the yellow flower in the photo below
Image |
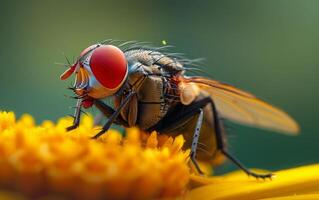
37	161
48	162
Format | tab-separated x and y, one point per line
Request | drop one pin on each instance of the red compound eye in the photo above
109	66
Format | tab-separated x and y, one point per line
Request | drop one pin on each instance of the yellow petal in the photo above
301	180
296	197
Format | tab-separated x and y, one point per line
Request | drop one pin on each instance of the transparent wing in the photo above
245	108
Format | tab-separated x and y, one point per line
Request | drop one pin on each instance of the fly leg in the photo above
113	117
221	147
108	111
186	115
76	116
195	140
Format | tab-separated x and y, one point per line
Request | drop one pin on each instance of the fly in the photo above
150	90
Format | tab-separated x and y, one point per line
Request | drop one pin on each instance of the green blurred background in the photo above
269	48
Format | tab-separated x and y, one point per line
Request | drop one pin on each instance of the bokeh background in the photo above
269	48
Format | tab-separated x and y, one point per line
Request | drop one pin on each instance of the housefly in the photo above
150	90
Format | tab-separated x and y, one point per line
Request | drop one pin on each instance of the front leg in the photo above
114	115
108	111
76	116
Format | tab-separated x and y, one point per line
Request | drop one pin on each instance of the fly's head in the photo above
100	71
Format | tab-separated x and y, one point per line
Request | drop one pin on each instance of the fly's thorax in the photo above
151	58
155	96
